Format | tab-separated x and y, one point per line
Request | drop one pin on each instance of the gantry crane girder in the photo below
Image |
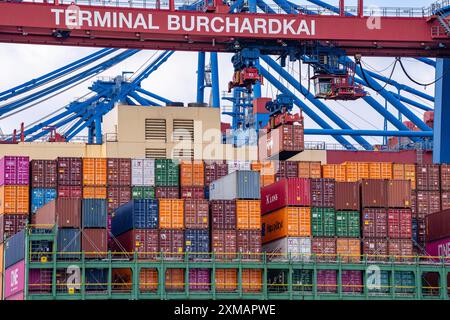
43	23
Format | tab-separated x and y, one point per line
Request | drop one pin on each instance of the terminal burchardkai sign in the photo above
75	18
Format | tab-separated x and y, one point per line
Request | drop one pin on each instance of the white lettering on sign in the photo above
14	278
78	18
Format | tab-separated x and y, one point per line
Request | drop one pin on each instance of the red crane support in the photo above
41	23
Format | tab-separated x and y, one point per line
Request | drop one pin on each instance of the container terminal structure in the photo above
263	37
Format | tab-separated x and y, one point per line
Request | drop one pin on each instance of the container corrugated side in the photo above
143	172
40	197
136	214
437	226
94	243
118	171
65	212
237	185
145	242
286	192
43	173
69	243
94	213
374	193
347	196
14	280
295	248
399	193
14	248
286	222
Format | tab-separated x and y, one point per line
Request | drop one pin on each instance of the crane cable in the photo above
358	62
418	83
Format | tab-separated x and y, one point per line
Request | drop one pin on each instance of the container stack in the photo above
13	261
143	179
94	239
43	183
167	179
192	179
236	227
14	195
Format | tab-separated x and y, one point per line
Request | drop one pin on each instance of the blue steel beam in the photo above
319	104
58	124
141	100
264	7
411	102
215	80
328	6
201	77
283	4
308	111
236	6
427	61
77	124
374	133
441	150
87	123
60	72
153	95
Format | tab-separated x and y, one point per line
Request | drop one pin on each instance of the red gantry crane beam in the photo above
41	23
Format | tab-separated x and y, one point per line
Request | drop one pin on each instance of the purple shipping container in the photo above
352	281
14	171
40	281
199	279
327	281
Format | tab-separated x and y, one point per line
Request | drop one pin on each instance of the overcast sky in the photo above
176	79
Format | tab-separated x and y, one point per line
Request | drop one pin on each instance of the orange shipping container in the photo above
356	171
192	174
226	280
251	280
380	170
402	171
171	213
94	171
286	222
349	249
248	214
266	171
95	193
329	171
310	169
148	280
175	279
14	200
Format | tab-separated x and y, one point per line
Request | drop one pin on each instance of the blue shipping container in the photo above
69	241
40	197
94	213
136	214
415	231
96	279
14	249
196	241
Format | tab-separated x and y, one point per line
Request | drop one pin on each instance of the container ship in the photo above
165	200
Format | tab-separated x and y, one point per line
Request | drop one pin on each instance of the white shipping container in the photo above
236	185
238	165
299	249
143	172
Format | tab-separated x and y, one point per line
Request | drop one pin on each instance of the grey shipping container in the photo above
15	249
94	213
236	185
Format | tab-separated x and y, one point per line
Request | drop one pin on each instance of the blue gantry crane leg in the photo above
201	77
441	150
215	80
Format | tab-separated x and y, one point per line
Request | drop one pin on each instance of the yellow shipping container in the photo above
171	213
349	249
248	214
14	200
286	222
94	172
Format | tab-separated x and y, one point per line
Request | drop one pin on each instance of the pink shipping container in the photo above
428	202
223	214
324	248
14	170
196	214
399	224
374	223
14	279
40	281
70	192
171	243
286	192
352	281
327	281
192	193
401	249
249	244
375	249
224	244
70	171
143	241
439	248
17	297
199	279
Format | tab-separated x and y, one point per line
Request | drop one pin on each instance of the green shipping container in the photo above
348	224
140	193
167	173
323	221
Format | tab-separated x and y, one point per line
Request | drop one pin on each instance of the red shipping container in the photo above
374	193
438	225
224	244
70	171
249	244
445	200
94	243
196	214
285	169
324	248
192	193
175	279
401	250
399	193
43	174
322	193
445	177
70	192
143	241
223	214
215	169
282	142
167	192
428	202
428	177
422	232
374	223
375	249
171	243
352	281
347	196
65	212
10	224
118	171
399	224
117	196
414	203
286	192
327	281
